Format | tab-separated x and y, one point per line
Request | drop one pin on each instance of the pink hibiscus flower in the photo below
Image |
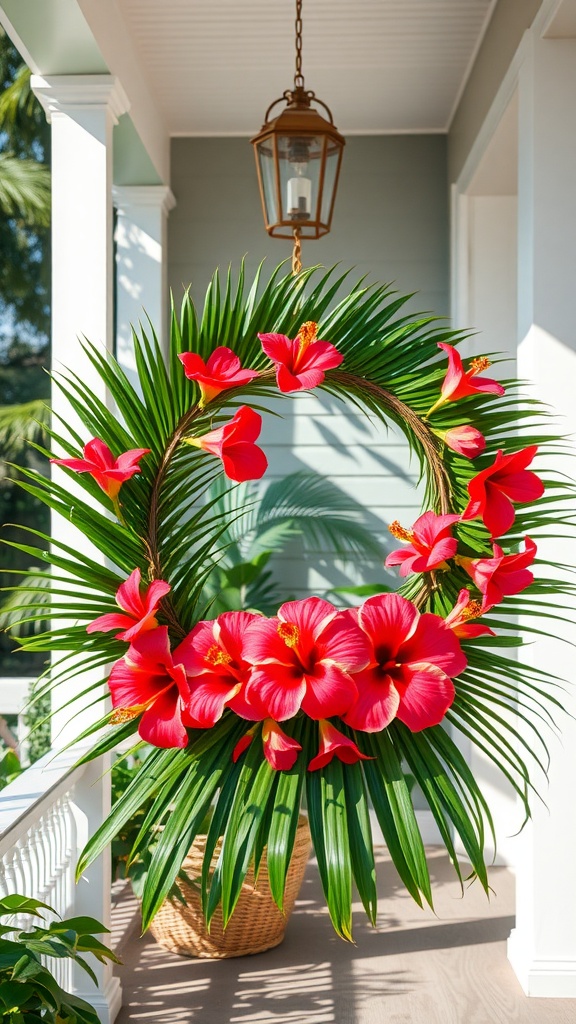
430	543
212	655
234	444
494	491
139	605
460	383
300	362
414	658
222	370
303	659
334	743
150	681
466	440
503	575
108	472
458	620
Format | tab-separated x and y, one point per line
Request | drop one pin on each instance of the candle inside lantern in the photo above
299	197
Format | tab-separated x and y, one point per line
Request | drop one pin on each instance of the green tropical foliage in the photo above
24	303
29	992
392	370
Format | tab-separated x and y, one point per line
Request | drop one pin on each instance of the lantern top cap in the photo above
299	116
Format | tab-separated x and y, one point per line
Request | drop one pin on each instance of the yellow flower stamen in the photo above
121	715
479	364
216	656
307	333
472	611
289	633
400	532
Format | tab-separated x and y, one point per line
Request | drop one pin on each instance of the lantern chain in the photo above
298	77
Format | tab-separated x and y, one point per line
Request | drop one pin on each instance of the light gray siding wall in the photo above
391	223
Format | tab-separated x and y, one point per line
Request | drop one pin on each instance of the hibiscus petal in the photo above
280	750
275	691
244	461
288	381
311	616
112	620
278	347
209	698
131	688
194	365
162	724
233	628
522	486
126	462
144	624
264	644
498	514
429	527
428	693
99	453
128	595
320	355
193	650
388	619
329	692
377	702
345	643
455	371
433	644
150	650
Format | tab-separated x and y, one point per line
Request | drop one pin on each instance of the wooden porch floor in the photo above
416	968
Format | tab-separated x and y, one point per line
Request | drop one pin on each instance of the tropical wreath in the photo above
247	715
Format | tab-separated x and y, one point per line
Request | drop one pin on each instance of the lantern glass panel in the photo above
300	161
332	161
268	175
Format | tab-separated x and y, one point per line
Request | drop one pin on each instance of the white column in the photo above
542	948
83	110
141	266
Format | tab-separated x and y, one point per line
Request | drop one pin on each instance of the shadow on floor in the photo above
415	967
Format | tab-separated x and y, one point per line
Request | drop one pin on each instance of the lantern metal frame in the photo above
299	121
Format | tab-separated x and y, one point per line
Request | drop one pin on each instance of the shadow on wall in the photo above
363	458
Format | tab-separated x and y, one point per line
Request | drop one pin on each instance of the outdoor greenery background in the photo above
24	306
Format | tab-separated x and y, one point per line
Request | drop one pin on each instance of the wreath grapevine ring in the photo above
250	715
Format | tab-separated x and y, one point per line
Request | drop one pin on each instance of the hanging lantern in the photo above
298	156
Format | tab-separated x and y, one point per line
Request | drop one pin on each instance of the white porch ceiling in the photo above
384	66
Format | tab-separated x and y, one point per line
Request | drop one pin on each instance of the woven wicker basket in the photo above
256	924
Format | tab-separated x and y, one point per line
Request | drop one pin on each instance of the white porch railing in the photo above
46	815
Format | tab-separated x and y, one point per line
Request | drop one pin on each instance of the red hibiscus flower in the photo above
222	370
465	440
212	655
493	491
334	743
149	680
139	605
303	659
279	749
409	676
458	620
430	543
108	472
300	363
234	444
459	383
503	575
